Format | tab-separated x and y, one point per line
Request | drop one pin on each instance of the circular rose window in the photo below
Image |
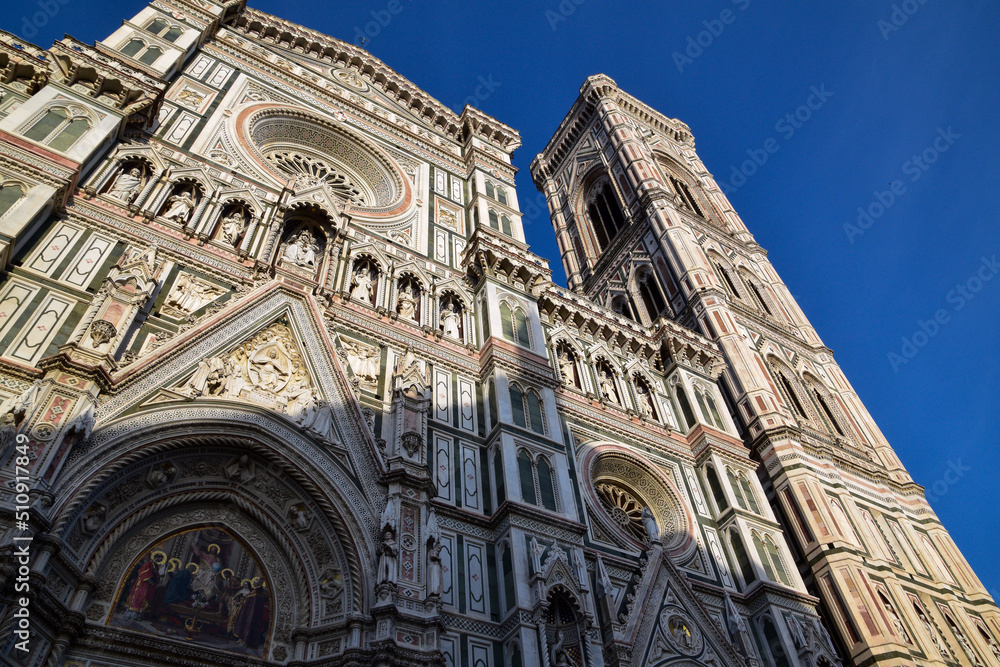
623	485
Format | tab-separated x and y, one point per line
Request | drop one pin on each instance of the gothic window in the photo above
841	522
735	485
747	489
935	558
649	291
716	487
136	48
492	397
501	488
505	224
514	324
742	559
133	47
758	295
685	406
526	473
621	305
709	408
546	487
771	549
494	219
537	484
773	641
605	213
831	419
797	514
501	195
164	30
875	534
729	280
684	192
527	409
58	129
490	190
791	395
514	651
762	556
904	544
507	568
10	194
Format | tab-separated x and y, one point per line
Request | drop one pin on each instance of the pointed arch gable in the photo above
170	365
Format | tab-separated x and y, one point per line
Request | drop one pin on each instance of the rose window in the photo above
309	171
624	509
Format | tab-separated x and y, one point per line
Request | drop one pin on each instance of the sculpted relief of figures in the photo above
365	361
268	371
302	252
189	294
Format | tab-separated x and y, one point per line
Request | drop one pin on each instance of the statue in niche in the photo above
608	391
645	401
896	622
560	658
233	226
451	318
363	289
567	367
649	523
126	187
680	632
388	551
407	301
932	633
179	206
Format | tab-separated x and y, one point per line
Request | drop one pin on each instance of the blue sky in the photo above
921	84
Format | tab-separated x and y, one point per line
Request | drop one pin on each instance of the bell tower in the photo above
643	228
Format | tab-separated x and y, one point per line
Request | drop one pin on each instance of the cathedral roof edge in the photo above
469	119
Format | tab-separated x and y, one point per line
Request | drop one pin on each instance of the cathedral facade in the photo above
283	384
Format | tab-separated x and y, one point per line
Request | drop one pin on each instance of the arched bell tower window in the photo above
684	192
605	213
650	292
